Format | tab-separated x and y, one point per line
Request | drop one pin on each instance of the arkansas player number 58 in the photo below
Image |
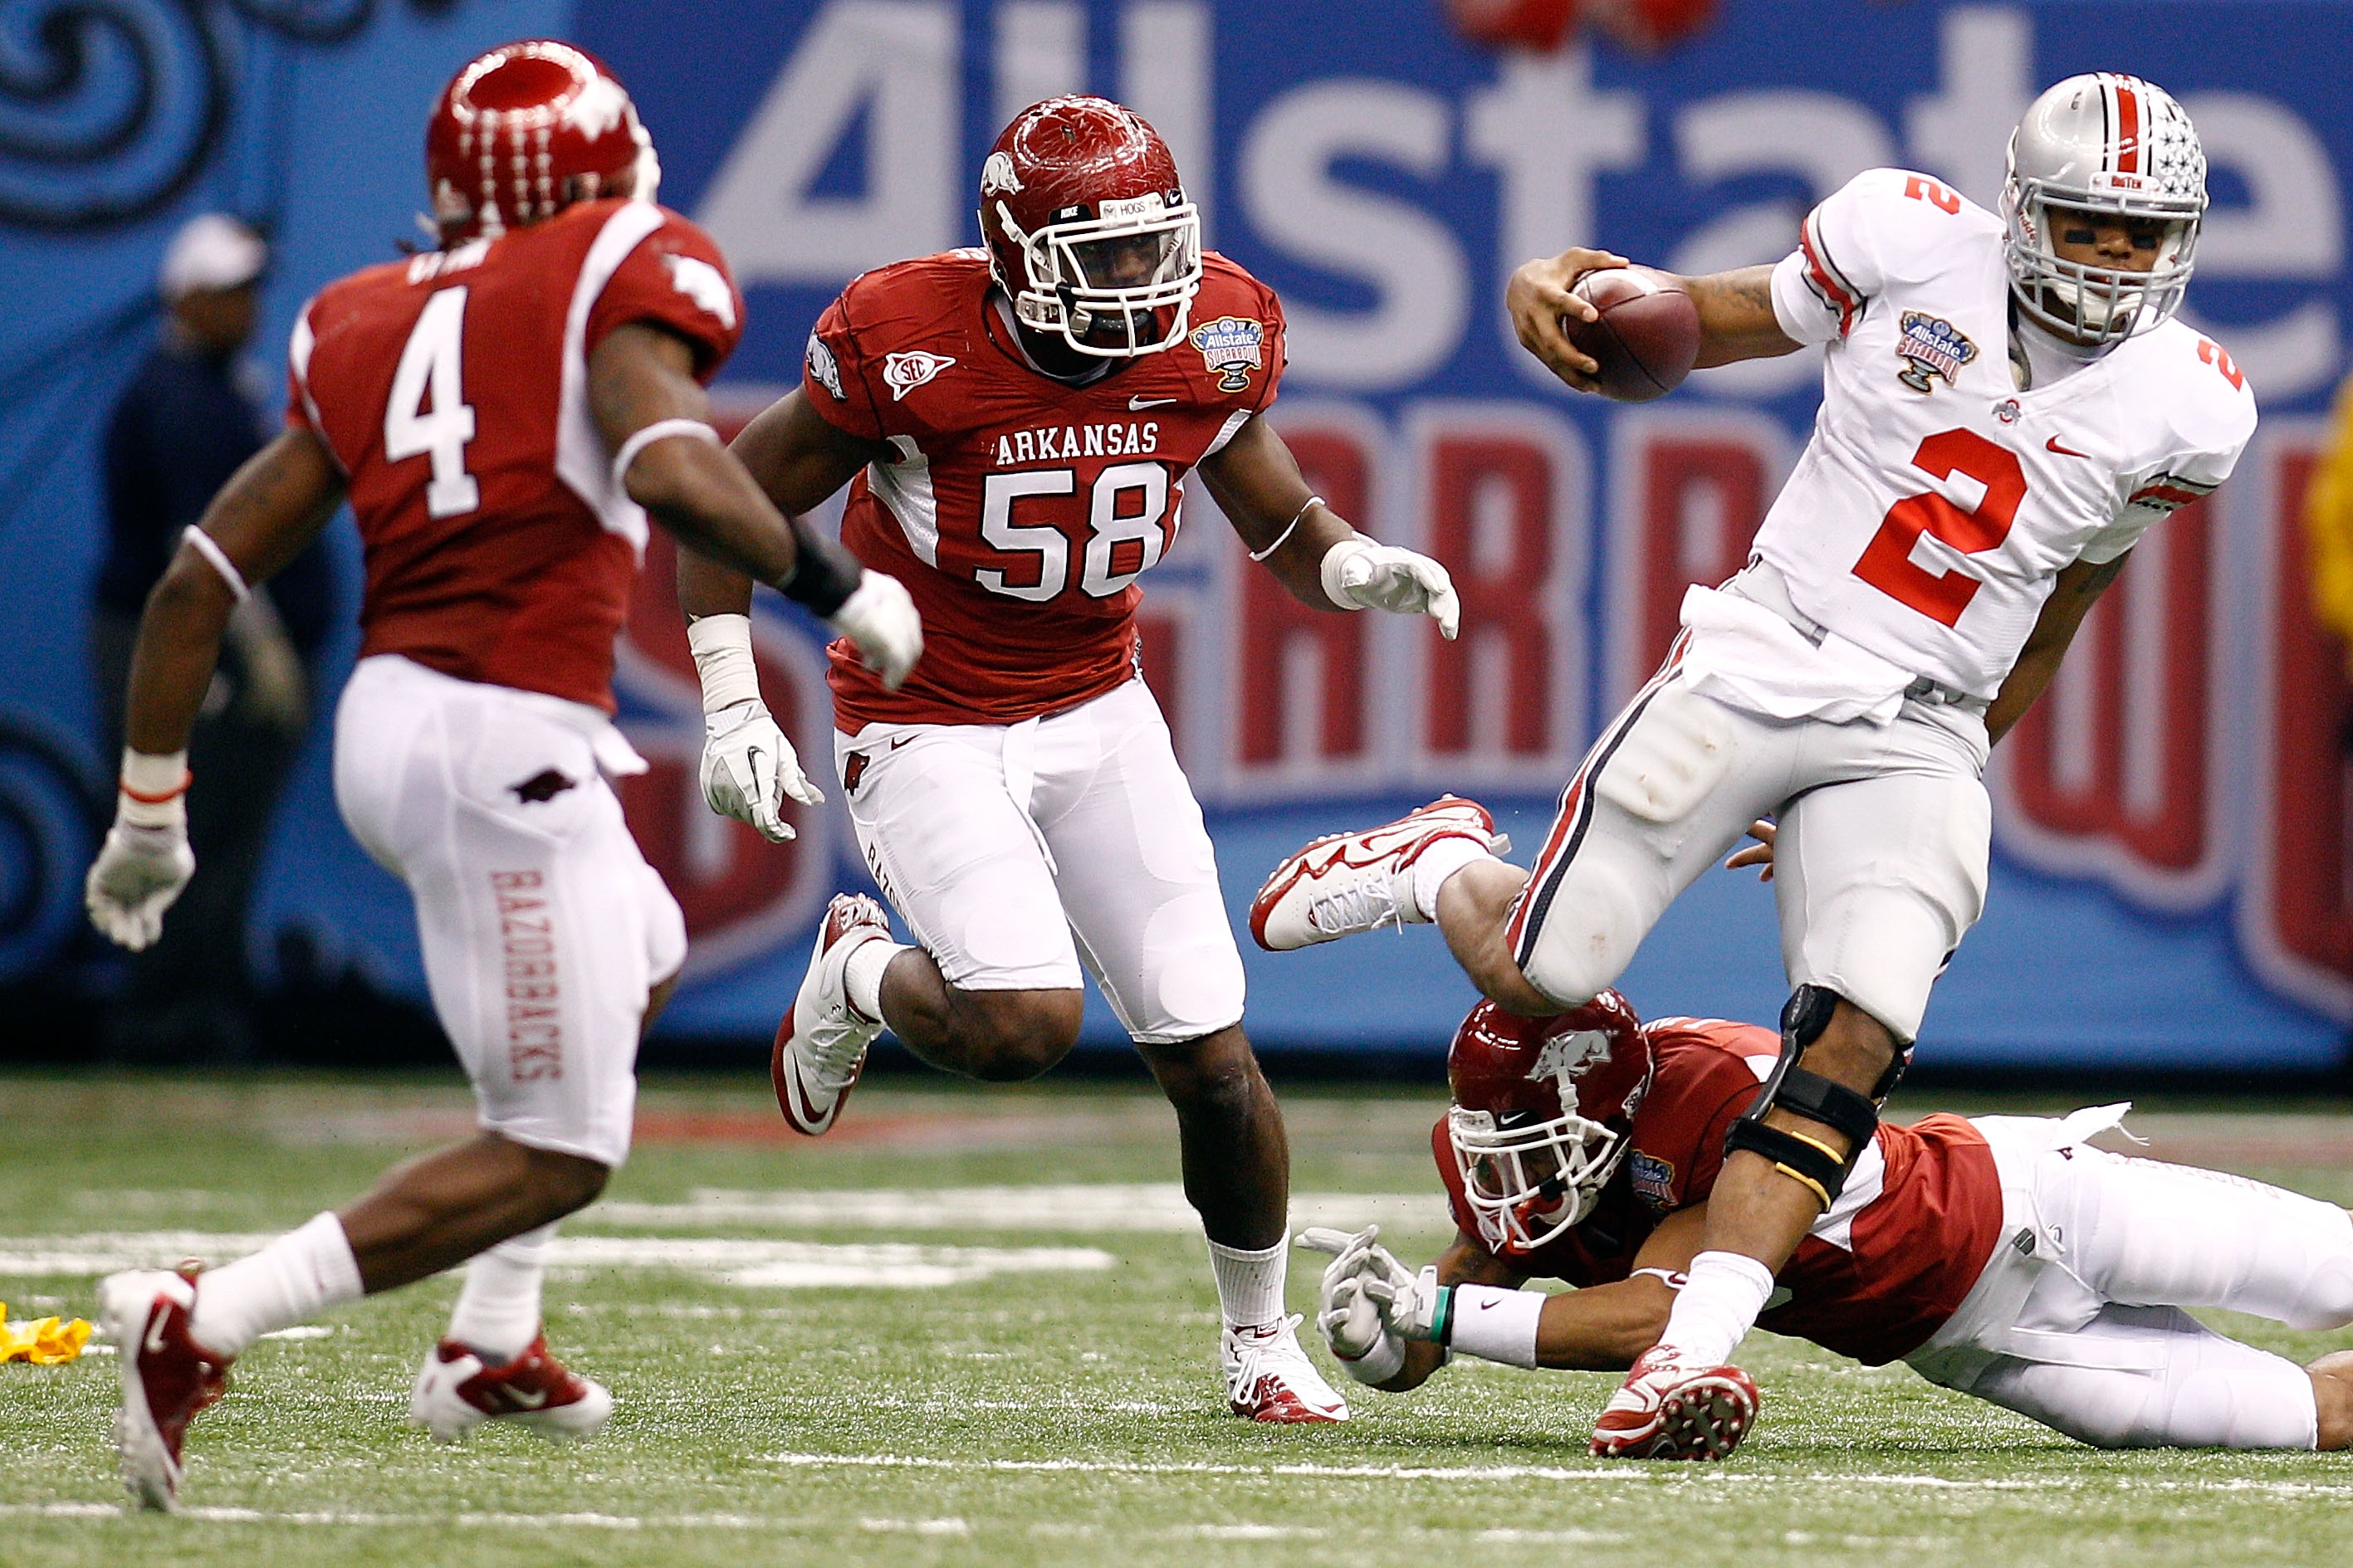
1126	506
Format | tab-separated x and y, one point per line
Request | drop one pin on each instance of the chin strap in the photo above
1809	1162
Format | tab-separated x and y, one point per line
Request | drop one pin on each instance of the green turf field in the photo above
924	1363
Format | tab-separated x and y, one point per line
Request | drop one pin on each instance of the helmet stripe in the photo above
2127	128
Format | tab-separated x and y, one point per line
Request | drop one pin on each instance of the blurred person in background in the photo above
186	423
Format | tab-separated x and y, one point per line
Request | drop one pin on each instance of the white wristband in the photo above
1335	560
153	789
721	645
659	430
205	545
1496	1325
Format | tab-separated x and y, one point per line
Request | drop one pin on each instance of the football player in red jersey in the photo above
502	412
1015	423
2001	1255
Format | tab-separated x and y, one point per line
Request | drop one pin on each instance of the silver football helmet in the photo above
2119	147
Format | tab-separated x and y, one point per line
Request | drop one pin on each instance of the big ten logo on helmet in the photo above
741	895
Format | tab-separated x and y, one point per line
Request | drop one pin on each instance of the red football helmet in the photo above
1542	1108
1088	227
523	132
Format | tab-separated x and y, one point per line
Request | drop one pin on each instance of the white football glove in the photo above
139	872
880	618
748	767
1361	574
1355	1330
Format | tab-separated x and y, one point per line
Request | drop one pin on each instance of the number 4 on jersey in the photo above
430	364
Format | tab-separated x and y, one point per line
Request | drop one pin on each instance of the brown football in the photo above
1647	337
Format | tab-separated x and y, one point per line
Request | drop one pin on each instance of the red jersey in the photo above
1020	510
452	389
1874	1280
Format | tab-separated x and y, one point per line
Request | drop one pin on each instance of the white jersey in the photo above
1936	503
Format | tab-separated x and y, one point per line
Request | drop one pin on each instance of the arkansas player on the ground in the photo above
502	412
2008	402
2000	1255
1015	423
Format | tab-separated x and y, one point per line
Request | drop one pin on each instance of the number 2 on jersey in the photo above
1107	529
431	362
1887	564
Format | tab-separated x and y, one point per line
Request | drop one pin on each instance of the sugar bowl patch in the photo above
1232	347
1932	346
1654	1179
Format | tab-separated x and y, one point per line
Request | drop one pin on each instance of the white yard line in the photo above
1616	1474
774	1265
1155	1208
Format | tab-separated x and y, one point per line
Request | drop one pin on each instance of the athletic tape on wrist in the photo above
659	430
1378	1364
1497	1325
205	545
1335	560
724	662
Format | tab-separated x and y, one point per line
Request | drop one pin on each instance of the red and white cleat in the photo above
1665	1410
821	1045
1270	1378
1348	882
456	1393
166	1377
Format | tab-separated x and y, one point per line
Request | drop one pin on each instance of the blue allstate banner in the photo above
2171	875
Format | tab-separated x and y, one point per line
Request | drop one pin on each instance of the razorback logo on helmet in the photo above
826	368
903	372
998	178
1566	1057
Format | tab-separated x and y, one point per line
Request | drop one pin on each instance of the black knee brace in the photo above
1815	1098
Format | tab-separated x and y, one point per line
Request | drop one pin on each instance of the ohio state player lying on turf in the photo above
2002	1256
2009	403
1016	424
504	414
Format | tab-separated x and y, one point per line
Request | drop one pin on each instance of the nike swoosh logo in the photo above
899	741
1487	1305
155	1329
531	1401
1138	405
2052	445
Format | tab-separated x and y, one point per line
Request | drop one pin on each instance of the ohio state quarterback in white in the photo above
2008	402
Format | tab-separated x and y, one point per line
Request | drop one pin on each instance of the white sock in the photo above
1717	1307
1435	864
289	1281
497	1315
861	975
1249	1284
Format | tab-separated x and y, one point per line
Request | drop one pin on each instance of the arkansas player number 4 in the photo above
1103	573
431	362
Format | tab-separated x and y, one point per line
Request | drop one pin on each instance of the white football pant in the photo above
1879	871
544	929
2078	1320
1016	853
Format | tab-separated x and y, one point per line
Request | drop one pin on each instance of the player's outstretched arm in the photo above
1735	313
798	459
2072	597
1310	547
1605	1328
268	510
